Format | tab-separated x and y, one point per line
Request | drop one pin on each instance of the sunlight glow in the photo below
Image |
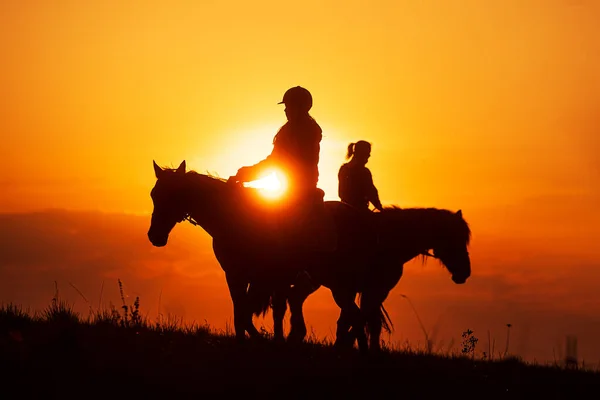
271	185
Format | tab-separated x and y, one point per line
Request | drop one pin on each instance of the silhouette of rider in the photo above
355	182
296	148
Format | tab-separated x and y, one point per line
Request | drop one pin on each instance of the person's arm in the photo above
373	193
343	183
256	171
260	169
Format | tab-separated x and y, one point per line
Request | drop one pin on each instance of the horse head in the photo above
170	200
451	246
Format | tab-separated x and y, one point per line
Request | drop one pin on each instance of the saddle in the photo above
299	223
305	225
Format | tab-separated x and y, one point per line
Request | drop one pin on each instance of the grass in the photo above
116	353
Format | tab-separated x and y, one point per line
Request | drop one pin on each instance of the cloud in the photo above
543	302
87	249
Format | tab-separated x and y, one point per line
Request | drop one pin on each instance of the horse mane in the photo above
251	195
423	215
208	175
192	172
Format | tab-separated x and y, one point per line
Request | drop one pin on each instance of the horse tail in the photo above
386	321
259	299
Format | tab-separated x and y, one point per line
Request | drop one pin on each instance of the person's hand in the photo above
242	174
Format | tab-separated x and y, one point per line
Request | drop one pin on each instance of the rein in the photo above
188	217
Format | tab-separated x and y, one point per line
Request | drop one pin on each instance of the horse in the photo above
246	243
402	235
240	235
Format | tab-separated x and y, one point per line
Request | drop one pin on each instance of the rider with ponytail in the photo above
356	185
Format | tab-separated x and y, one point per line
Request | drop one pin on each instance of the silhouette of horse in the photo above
401	235
259	271
245	241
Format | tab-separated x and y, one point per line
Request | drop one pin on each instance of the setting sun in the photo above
271	186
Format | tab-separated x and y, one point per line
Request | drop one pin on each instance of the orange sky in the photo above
491	107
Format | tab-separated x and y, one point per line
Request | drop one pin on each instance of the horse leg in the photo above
372	302
370	305
345	334
344	337
250	328
279	308
256	296
237	290
297	296
345	300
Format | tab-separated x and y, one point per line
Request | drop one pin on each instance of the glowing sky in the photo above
488	106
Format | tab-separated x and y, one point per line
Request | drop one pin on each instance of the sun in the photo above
271	186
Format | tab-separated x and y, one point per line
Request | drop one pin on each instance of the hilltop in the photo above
57	353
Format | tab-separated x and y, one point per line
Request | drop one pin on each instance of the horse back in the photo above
354	227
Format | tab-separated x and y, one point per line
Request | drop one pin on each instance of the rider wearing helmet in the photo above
356	185
296	148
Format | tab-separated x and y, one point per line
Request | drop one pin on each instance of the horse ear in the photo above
181	168
157	170
459	213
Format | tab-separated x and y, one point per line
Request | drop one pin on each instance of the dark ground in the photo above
57	356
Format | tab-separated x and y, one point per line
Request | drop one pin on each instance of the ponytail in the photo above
350	150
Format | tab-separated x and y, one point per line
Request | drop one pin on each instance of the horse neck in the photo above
207	199
411	231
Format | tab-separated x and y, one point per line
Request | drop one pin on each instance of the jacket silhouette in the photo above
296	148
295	154
355	182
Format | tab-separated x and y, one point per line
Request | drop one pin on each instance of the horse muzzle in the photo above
459	279
158	240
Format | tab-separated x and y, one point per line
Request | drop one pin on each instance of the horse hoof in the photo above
259	338
295	339
343	347
279	339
